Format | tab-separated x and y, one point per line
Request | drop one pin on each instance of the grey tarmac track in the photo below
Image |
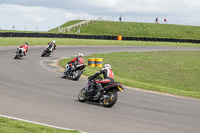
31	92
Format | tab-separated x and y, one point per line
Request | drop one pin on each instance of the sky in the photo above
43	15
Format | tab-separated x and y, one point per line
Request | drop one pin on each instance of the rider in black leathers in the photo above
108	77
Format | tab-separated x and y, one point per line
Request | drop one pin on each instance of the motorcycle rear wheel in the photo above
81	96
112	99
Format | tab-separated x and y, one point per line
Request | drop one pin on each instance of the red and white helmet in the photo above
107	66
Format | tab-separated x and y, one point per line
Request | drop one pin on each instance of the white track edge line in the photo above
46	67
56	127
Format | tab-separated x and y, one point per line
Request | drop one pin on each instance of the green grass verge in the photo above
13	126
175	72
17	41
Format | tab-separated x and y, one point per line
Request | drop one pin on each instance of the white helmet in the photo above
53	41
107	66
80	54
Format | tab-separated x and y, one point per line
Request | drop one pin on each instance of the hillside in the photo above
133	29
129	29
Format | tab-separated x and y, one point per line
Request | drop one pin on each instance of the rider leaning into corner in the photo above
108	77
25	48
76	61
52	46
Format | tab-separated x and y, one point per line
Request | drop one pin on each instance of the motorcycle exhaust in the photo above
104	97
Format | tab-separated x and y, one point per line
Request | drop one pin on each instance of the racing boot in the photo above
100	88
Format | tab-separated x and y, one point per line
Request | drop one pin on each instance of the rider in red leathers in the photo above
79	60
108	77
25	48
76	61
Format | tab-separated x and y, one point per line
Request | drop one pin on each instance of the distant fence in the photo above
100	37
74	26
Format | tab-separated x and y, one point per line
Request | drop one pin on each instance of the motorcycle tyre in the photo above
77	76
16	56
80	97
64	76
115	97
44	53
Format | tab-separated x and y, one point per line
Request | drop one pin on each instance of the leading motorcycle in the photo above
19	53
74	72
48	51
108	96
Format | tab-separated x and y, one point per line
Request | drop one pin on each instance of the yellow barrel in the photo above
91	62
119	38
98	62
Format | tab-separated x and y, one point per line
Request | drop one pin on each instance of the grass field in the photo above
17	41
175	72
13	126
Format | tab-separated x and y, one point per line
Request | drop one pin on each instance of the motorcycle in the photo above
19	53
75	72
108	96
48	51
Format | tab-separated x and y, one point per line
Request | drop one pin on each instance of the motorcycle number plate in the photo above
120	89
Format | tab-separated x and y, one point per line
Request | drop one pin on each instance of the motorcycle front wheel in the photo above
64	75
16	56
81	95
44	53
111	99
76	75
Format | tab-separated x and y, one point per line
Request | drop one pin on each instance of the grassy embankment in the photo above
126	29
175	72
133	29
13	126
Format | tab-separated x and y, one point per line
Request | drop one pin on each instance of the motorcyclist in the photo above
52	46
108	77
76	61
25	48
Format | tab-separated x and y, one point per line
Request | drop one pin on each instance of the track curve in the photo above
28	91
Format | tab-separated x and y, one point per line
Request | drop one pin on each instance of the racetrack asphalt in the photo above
31	92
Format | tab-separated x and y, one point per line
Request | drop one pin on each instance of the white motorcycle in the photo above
19	53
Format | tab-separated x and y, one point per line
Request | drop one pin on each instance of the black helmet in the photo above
26	43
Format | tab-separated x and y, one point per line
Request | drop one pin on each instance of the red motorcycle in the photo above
108	95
